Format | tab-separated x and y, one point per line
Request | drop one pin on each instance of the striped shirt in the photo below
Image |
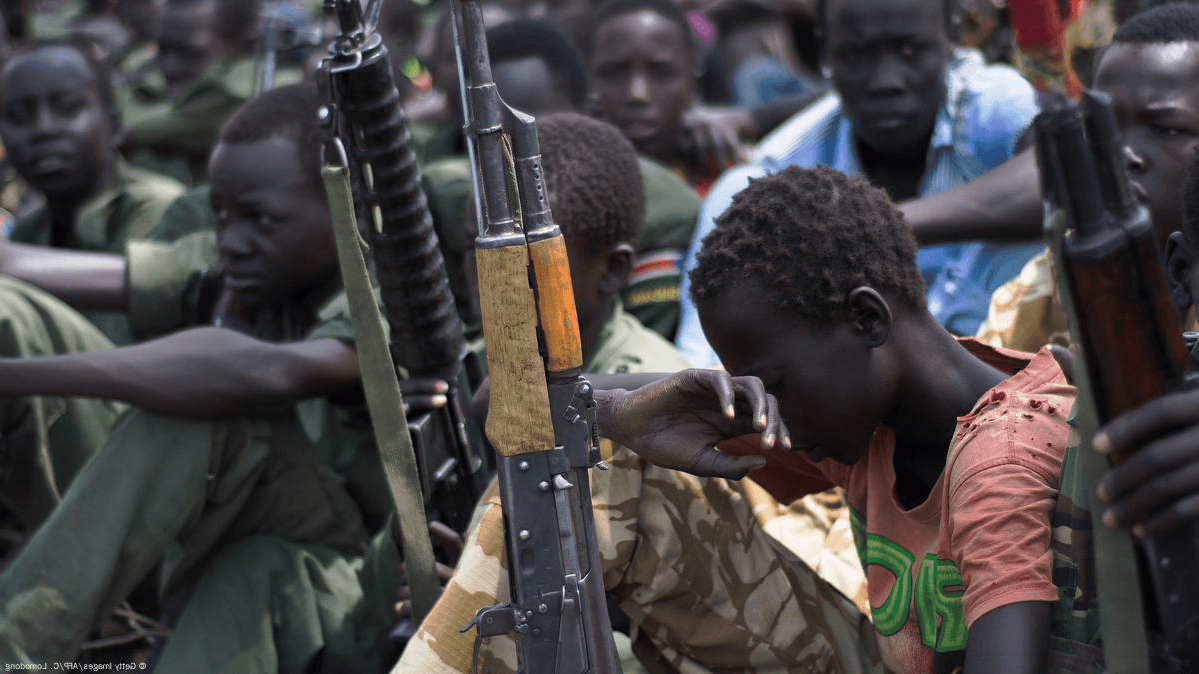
986	109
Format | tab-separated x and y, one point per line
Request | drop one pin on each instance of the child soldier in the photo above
1151	71
595	193
258	526
949	451
61	128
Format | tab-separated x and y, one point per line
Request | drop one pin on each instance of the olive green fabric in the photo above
126	210
434	141
45	440
165	282
190	213
671	211
176	136
447	185
265	560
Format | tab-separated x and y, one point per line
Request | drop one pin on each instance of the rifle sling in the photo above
383	396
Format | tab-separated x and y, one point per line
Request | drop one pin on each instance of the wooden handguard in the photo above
559	322
518	419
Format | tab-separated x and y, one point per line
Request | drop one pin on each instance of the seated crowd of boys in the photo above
182	424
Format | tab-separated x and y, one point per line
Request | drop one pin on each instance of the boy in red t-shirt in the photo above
949	451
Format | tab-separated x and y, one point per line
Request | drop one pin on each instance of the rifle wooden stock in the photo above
542	413
1124	315
518	420
556	300
1132	351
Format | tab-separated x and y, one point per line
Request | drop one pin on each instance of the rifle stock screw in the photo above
523	466
524	534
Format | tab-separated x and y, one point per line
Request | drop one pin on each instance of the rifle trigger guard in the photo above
493	621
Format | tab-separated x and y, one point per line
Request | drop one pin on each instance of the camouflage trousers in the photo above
701	569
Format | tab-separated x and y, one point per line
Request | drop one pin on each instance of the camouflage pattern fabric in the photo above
690	560
1024	313
1075	639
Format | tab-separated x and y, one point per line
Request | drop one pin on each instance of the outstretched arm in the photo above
84	280
1003	204
202	372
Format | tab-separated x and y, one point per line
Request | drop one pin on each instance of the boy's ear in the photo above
618	264
870	316
1180	263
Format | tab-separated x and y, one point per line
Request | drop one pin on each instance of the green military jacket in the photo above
127	208
175	137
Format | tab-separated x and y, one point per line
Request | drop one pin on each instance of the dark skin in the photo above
920	381
187	44
1155	96
59	134
598	277
1157	111
887	60
213	372
528	85
1161	438
643	80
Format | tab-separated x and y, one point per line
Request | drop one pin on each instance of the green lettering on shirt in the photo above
932	600
891	616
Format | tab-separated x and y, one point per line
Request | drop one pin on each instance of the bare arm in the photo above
1012	639
202	372
1003	204
82	279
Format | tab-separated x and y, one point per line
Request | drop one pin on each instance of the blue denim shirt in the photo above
986	110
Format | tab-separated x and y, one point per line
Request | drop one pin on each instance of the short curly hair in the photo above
808	237
1172	22
291	112
593	179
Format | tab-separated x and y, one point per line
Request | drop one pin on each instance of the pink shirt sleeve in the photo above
1004	485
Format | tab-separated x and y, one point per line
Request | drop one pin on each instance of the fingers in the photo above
1156	487
1124	435
423	395
720	383
421	404
710	462
765	410
451	543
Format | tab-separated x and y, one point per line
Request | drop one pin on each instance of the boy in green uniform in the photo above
256	508
60	128
205	55
586	164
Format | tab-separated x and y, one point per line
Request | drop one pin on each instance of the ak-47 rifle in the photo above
1129	337
541	419
365	114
